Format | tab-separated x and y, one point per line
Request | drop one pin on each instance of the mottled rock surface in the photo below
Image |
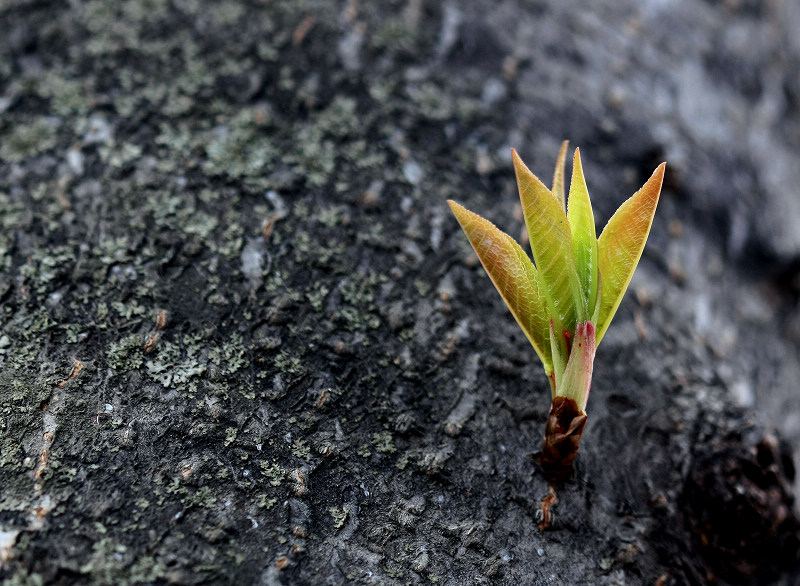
243	340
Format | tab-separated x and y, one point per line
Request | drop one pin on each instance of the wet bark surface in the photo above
243	340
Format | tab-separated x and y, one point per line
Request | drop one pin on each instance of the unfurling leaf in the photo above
584	238
514	276
558	176
621	244
551	242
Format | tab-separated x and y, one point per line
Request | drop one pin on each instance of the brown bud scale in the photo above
562	435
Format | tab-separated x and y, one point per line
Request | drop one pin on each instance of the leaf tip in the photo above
577	166
652	187
457	209
516	158
660	170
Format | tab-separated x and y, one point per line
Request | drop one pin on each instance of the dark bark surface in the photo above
243	340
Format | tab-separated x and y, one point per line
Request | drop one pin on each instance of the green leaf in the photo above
558	176
514	276
621	244
584	238
551	243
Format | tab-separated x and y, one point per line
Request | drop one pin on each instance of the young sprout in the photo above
564	299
